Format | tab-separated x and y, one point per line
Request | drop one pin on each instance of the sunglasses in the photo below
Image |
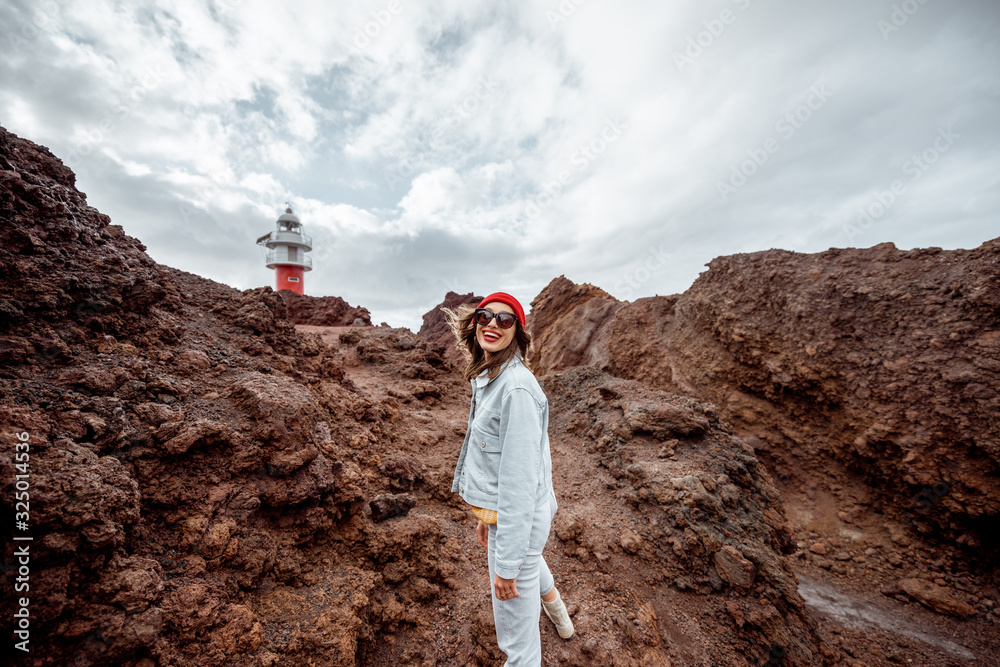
504	320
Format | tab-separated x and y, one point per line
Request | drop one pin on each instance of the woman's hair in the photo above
462	323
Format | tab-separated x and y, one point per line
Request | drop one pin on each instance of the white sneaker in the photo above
556	611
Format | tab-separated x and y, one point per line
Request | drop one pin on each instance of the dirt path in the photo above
431	431
885	622
849	564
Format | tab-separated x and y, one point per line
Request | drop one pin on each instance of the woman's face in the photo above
491	337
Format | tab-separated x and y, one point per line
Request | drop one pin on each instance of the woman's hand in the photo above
505	589
483	533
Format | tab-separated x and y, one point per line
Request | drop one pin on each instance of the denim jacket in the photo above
505	463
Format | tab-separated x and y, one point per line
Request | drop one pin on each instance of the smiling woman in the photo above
504	472
491	339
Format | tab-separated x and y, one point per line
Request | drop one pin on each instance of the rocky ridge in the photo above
881	362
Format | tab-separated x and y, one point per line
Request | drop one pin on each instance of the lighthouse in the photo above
287	247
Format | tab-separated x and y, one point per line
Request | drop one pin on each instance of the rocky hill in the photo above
212	484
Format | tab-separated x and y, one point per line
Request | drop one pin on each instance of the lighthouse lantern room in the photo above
287	247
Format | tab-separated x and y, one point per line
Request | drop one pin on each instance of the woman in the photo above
505	473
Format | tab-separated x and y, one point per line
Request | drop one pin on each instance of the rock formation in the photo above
882	362
697	520
329	311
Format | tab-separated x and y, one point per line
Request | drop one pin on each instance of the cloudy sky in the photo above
483	146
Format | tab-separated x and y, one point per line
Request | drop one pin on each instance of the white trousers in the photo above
517	619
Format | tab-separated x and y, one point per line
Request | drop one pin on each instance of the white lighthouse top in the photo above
289	220
289	217
289	234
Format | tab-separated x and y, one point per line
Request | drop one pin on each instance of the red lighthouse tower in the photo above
287	247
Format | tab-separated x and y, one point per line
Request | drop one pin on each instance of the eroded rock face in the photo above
389	505
330	311
885	361
700	514
569	325
51	244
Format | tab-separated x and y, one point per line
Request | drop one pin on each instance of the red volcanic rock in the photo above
886	361
94	515
52	244
662	420
733	568
708	520
283	412
568	324
938	598
329	311
404	472
388	505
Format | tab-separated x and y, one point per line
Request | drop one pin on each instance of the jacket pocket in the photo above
489	446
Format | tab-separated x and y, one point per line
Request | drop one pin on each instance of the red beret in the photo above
503	297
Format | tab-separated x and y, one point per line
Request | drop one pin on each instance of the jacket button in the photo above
483	445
